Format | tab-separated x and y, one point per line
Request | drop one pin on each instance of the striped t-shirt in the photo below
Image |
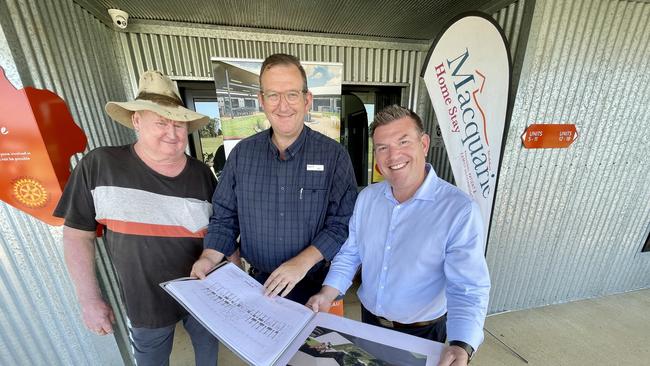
154	224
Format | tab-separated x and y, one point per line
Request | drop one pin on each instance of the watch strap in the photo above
469	349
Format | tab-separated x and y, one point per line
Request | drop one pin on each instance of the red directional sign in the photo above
549	136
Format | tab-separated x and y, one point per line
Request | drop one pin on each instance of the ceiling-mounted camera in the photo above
120	17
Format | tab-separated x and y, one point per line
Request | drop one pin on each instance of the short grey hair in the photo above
393	113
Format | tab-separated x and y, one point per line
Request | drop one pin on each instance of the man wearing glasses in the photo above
288	192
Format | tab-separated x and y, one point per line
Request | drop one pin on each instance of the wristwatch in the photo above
465	346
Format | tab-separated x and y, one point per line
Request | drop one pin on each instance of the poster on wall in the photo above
467	74
37	138
241	114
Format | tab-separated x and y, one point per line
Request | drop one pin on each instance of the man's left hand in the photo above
453	356
285	277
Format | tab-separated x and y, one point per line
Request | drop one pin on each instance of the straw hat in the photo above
156	93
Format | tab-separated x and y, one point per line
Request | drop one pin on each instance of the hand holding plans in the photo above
276	331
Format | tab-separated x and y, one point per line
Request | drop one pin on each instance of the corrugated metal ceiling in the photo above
407	19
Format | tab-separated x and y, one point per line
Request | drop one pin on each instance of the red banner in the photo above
37	138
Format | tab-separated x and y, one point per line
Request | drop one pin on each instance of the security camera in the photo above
120	17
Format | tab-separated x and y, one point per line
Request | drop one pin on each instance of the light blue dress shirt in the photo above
421	258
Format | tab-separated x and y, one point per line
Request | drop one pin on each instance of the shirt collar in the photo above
425	192
294	148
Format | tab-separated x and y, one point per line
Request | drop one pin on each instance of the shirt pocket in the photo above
314	180
313	201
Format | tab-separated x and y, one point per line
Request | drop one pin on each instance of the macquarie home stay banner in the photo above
467	74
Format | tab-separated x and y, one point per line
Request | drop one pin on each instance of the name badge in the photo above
315	168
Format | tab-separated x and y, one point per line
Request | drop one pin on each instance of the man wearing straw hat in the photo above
154	204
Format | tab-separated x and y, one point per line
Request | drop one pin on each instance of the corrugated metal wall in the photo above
58	46
570	223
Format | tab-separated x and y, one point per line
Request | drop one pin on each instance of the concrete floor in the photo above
612	330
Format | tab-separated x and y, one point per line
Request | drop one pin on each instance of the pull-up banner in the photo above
467	74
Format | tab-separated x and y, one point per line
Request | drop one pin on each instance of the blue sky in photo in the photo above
320	76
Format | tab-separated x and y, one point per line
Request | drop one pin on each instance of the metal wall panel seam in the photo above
89	106
595	270
551	204
26	317
50	271
593	42
63	77
32	51
627	140
9	322
527	280
617	234
505	234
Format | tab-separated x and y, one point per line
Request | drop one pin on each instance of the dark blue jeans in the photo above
152	347
436	332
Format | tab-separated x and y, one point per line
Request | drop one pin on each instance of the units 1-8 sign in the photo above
548	136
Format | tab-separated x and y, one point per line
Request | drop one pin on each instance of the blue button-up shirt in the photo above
421	258
280	207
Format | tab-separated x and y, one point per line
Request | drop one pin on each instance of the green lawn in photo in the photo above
210	144
240	127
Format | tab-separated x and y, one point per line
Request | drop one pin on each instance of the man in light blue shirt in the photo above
419	240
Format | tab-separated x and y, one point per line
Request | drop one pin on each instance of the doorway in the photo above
207	143
358	108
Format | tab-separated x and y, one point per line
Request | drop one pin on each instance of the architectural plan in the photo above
269	331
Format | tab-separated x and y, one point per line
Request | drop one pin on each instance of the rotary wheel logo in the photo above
30	192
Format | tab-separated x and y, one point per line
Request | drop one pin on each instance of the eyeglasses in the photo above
292	96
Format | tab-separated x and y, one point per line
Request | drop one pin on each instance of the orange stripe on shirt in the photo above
138	228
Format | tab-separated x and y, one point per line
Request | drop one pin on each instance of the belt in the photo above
397	325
